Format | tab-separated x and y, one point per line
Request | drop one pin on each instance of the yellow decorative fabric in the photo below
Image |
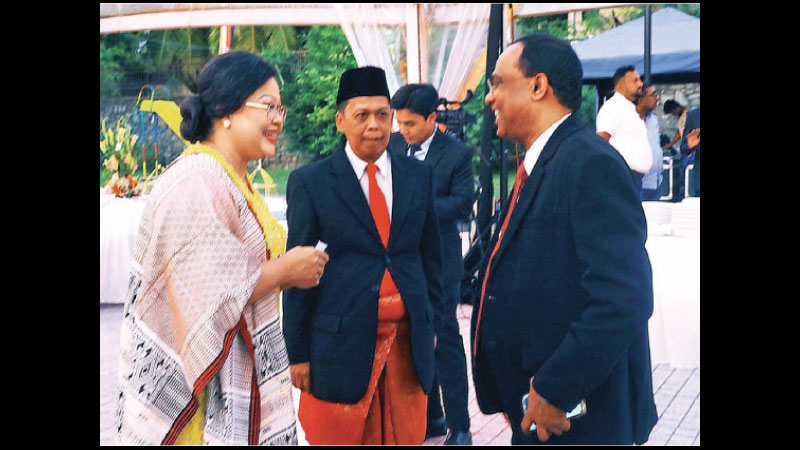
192	434
169	112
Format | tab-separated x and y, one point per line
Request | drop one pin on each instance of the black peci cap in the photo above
362	82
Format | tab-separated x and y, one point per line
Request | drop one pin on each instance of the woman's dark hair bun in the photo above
194	126
222	88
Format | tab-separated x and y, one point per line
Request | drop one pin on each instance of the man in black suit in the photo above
691	143
361	344
415	108
567	291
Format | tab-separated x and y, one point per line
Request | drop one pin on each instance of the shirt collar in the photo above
426	144
621	98
360	166
538	145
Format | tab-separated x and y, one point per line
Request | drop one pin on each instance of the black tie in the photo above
414	148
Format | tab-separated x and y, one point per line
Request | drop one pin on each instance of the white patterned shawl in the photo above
186	326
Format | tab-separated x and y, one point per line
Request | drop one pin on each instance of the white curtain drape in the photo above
376	33
457	35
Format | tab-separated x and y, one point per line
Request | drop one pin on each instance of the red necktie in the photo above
522	176
380	214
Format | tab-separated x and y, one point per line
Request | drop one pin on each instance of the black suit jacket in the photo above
569	295
451	160
334	325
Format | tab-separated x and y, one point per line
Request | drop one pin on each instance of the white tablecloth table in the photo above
674	326
119	225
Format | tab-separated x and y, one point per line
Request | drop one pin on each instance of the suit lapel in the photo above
402	194
531	187
347	187
397	145
436	150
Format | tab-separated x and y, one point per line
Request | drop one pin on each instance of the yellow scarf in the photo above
274	234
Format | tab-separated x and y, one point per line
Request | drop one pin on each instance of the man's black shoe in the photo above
435	428
458	438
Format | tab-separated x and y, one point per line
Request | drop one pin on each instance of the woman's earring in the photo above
226	123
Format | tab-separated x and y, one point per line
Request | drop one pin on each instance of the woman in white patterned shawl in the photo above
203	360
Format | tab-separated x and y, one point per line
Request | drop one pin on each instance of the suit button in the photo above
388	260
376	288
491	298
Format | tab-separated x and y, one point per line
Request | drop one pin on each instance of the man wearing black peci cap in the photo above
360	344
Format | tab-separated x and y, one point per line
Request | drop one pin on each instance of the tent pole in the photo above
507	39
414	43
648	29
225	38
486	199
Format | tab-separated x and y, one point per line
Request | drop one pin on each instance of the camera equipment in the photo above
455	119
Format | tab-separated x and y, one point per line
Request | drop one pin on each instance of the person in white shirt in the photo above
620	124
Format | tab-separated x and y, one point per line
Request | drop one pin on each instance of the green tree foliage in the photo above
257	39
120	54
311	81
593	21
110	73
310	61
172	58
472	132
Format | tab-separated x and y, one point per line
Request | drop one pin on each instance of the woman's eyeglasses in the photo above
273	111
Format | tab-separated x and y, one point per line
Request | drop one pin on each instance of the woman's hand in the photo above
305	266
300	267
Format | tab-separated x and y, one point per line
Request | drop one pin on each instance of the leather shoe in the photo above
458	438
435	428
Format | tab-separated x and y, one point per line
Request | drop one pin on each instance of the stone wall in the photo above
170	146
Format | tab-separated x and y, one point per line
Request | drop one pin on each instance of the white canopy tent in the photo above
446	40
441	43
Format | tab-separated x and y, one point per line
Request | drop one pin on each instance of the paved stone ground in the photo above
677	394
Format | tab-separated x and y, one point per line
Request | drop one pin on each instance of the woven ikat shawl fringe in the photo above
186	327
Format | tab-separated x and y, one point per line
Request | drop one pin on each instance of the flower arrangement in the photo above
125	186
119	142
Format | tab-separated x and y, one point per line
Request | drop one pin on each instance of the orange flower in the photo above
116	189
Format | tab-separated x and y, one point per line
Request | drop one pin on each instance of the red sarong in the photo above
392	411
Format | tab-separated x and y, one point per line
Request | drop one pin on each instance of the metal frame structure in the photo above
668	164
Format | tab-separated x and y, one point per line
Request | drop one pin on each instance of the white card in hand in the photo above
321	246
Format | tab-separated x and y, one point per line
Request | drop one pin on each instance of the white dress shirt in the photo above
618	117
423	152
532	155
383	176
